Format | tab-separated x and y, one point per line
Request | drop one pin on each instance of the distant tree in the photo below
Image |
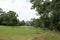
9	18
1	15
22	23
33	21
18	22
1	11
37	23
12	18
28	23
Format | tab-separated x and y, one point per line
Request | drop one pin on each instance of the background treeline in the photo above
10	18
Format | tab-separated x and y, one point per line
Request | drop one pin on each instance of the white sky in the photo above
21	7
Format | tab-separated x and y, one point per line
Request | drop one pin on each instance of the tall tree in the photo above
55	6
46	8
43	9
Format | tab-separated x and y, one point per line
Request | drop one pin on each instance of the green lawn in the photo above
27	33
22	30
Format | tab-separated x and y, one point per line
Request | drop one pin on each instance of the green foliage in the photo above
22	23
49	11
43	9
28	23
56	14
1	11
9	18
37	23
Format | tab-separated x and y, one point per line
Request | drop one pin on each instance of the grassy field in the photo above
27	33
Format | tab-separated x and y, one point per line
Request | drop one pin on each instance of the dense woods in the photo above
49	12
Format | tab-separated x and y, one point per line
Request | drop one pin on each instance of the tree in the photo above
28	23
1	11
1	15
37	23
55	6
22	23
43	9
46	8
9	18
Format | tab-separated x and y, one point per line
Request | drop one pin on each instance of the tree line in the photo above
10	18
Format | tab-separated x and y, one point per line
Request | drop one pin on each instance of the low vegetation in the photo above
27	33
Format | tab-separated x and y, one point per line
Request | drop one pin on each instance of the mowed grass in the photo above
27	33
19	30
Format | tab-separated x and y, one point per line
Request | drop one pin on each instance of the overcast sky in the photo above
21	7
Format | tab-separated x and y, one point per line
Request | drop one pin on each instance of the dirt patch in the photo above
43	37
5	37
36	37
11	37
55	34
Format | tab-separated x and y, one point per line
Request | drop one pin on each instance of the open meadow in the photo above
27	33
